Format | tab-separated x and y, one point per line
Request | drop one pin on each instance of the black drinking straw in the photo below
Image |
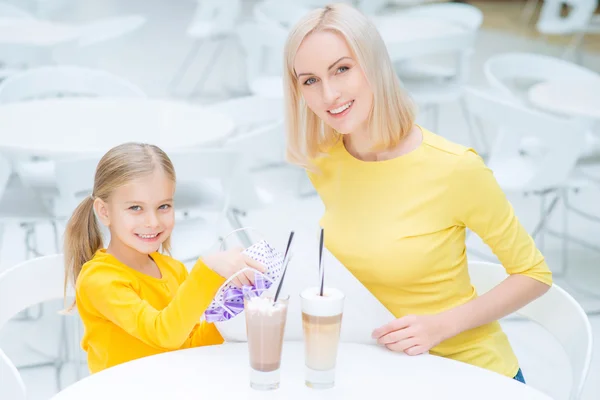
285	264
321	265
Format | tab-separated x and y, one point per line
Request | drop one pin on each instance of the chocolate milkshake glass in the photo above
321	326
265	326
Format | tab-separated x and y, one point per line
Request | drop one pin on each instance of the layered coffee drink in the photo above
321	325
265	327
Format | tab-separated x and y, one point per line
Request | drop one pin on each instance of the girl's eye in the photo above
310	81
165	207
135	208
342	69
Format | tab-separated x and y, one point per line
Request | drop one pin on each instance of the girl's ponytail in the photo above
83	239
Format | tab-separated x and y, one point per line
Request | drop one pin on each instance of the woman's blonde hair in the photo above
119	166
392	115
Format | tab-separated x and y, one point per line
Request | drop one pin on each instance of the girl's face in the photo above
140	214
332	82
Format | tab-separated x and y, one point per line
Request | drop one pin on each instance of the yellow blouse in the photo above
399	226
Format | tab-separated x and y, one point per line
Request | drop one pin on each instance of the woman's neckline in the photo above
400	158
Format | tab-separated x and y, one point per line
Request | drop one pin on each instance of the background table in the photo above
576	98
221	372
76	126
34	32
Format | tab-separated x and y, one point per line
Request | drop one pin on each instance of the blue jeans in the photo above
519	376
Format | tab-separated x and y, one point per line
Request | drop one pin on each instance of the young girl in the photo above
133	299
399	198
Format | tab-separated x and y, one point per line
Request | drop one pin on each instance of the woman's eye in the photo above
342	69
310	81
165	207
135	208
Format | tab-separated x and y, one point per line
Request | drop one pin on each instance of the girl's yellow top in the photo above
129	315
399	226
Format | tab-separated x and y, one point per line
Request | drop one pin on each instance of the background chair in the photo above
511	75
544	173
557	312
28	284
214	20
263	45
579	21
12	387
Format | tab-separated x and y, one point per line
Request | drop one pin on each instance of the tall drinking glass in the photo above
321	325
265	327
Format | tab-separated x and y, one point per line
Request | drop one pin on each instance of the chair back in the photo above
11	383
557	312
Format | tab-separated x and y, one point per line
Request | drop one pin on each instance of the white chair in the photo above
542	173
22	205
263	45
274	178
213	20
30	283
11	383
431	92
206	179
467	16
557	312
511	75
578	22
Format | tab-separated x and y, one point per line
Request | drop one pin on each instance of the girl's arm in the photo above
113	297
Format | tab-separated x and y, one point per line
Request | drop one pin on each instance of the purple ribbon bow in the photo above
233	299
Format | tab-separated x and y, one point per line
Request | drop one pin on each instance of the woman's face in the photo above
332	82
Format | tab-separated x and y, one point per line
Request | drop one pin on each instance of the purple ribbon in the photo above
233	299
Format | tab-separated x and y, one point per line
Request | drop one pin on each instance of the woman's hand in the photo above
228	263
413	334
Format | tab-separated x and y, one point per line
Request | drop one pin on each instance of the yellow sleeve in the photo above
483	208
204	333
113	296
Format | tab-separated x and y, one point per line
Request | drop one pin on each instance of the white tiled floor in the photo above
151	56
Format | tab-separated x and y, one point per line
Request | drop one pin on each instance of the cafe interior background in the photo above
77	77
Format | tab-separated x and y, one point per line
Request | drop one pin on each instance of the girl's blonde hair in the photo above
392	115
119	166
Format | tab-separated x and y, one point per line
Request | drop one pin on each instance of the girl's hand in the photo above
413	334
228	263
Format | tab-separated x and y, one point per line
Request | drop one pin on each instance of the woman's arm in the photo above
479	204
510	295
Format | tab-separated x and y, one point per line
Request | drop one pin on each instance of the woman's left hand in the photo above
413	334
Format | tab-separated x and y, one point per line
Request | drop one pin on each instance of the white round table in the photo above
34	32
79	126
579	98
222	372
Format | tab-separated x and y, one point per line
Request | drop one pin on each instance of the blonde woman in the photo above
399	198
